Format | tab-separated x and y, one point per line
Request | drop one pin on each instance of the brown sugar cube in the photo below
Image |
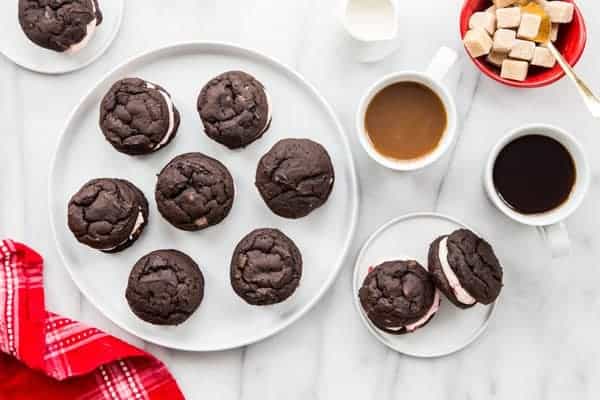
483	20
504	40
560	12
508	17
542	57
522	50
554	32
478	42
515	70
496	58
504	3
529	27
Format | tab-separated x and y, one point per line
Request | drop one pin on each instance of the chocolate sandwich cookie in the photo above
194	191
234	109
399	296
266	267
138	117
165	287
295	177
60	25
108	214
465	268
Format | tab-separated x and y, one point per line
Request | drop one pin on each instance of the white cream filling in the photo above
459	291
90	29
170	107
136	227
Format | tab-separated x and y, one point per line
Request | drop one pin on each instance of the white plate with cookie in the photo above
408	237
223	320
17	47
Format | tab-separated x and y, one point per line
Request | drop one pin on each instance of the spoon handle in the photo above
591	101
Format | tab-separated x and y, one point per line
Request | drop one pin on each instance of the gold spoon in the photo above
591	101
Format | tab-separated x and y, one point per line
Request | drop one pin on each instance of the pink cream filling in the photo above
459	291
434	308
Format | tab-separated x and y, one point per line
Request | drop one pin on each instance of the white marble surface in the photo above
542	343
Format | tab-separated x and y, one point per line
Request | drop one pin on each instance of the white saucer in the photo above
15	46
409	237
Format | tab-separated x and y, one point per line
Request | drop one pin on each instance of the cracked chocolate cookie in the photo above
295	177
266	267
165	287
194	192
399	296
234	108
108	214
60	25
465	269
138	117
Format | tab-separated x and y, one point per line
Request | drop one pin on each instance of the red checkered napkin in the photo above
51	357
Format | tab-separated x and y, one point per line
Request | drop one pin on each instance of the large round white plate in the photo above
409	237
20	50
223	320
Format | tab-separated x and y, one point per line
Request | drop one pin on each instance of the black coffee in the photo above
534	174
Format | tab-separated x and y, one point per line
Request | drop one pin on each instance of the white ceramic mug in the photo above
444	59
551	223
372	26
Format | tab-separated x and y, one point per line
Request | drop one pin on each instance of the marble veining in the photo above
542	342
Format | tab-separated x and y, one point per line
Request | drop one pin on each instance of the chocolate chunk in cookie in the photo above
108	214
295	177
399	296
138	117
234	108
59	25
165	287
194	192
465	268
266	267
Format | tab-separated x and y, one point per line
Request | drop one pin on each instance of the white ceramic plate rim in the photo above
85	64
374	331
203	46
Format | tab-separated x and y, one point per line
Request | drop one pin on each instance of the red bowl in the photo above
571	42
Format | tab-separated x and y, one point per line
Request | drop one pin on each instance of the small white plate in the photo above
15	46
223	321
409	237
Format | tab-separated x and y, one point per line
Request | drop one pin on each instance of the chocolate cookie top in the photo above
295	177
395	294
165	287
266	267
58	24
194	192
234	109
138	117
476	273
108	214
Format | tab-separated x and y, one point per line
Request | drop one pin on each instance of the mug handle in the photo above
557	238
441	63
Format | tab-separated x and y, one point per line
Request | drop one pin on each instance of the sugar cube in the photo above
530	26
504	40
554	32
514	69
504	3
522	50
483	20
496	58
543	57
508	17
560	12
478	42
